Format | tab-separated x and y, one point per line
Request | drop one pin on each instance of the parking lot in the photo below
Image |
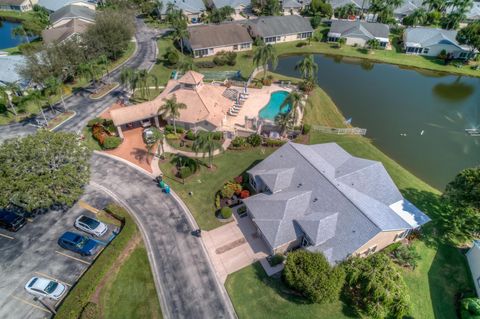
33	251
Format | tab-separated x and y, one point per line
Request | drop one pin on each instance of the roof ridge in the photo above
360	169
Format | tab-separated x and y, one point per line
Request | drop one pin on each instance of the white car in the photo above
91	226
43	287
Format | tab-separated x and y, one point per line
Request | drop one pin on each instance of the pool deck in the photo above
257	99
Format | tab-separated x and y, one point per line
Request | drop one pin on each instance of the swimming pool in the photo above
272	109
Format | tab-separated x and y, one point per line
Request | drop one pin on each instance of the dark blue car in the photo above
78	243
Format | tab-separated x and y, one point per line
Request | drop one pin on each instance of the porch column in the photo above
157	123
120	133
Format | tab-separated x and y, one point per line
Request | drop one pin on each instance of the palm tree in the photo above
186	64
206	143
159	9
308	68
157	137
346	11
5	92
265	54
284	121
143	76
418	16
171	109
373	44
129	78
460	5
180	32
89	71
293	100
341	42
435	5
21	32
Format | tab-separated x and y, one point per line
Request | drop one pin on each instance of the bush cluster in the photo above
172	56
273	143
301	44
405	256
276	260
230	188
238	142
225	58
111	142
170	129
190	136
306	129
205	65
253	140
185	172
226	212
103	131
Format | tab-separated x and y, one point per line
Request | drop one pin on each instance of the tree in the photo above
90	71
292	100
180	32
220	15
341	42
373	44
311	274
129	78
319	8
266	7
43	171
186	64
435	5
470	35
207	144
383	9
284	121
171	109
417	17
156	138
37	99
6	92
470	308
376	287
144	84
263	55
308	68
54	87
345	11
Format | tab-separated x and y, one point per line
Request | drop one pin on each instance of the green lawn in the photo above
205	183
131	292
441	274
17	16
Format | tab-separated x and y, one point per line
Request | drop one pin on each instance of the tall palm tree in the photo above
418	16
308	68
373	44
206	143
180	32
160	7
171	109
129	78
264	54
292	100
143	76
435	5
5	92
284	121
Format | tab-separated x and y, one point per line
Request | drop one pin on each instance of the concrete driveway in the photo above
234	246
183	274
33	251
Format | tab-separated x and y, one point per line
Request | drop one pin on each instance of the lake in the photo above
416	117
6	38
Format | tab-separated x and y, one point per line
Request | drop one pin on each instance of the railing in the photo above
340	131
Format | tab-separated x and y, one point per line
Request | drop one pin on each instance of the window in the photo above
279	39
463	55
201	52
270	39
304	35
235	47
426	50
478	281
252	182
245	46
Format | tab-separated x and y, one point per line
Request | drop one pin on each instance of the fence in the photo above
340	131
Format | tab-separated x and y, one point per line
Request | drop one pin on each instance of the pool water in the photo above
272	109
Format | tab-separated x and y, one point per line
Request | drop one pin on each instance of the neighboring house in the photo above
292	6
70	12
407	8
210	39
207	106
473	257
359	4
9	65
238	5
280	28
430	42
54	5
359	32
474	13
323	199
17	5
192	9
68	31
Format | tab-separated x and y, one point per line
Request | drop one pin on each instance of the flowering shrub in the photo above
244	194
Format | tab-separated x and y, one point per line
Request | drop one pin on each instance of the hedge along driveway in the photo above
83	290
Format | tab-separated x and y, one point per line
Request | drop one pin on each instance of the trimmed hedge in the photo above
79	296
226	212
111	142
271	142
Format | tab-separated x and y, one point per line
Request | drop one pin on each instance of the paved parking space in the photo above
33	251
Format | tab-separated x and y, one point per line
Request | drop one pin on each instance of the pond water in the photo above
418	118
6	38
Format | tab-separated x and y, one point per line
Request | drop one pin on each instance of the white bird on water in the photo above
423	131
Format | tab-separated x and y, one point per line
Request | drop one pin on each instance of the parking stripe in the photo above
87	206
52	278
6	236
31	304
74	258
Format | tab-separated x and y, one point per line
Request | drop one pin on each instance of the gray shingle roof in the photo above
339	201
215	35
193	6
291	4
72	11
355	29
232	3
54	5
407	7
279	25
9	65
358	3
425	37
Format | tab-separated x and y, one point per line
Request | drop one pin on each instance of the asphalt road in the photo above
184	275
86	108
33	251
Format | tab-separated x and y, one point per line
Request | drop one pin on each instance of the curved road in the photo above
86	108
184	276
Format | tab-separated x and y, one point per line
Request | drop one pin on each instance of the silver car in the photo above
43	287
91	226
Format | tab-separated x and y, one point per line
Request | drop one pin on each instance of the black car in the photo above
11	221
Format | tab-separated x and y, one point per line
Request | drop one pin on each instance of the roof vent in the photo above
315	199
299	185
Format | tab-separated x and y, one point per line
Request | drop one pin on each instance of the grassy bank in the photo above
14	16
440	275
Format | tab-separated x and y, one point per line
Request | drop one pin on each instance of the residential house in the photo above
407	8
473	257
323	199
240	6
431	42
292	6
9	65
54	5
17	5
192	9
359	4
474	13
68	31
210	39
280	28
359	32
207	106
72	11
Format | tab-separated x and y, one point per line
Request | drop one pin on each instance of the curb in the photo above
65	121
104	94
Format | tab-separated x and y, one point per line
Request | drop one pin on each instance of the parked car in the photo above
146	123
78	243
91	225
148	136
11	221
43	287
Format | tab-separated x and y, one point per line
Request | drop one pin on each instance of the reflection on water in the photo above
397	104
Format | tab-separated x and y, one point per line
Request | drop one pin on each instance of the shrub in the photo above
229	189
306	86
109	126
99	133
390	248
315	21
185	172
171	136
238	141
111	142
274	143
205	65
217	136
231	58
276	260
254	140
218	60
190	136
470	308
242	210
306	129
406	256
267	81
244	194
311	274
172	56
301	44
90	311
226	212
222	58
238	179
217	201
94	121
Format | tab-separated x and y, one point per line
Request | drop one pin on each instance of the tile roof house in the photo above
358	32
431	41
17	5
325	200
72	11
278	29
473	258
54	5
191	8
210	39
207	107
67	31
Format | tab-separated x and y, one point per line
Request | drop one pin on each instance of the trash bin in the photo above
161	184
167	189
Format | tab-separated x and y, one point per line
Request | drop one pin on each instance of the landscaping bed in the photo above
104	132
59	119
104	90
